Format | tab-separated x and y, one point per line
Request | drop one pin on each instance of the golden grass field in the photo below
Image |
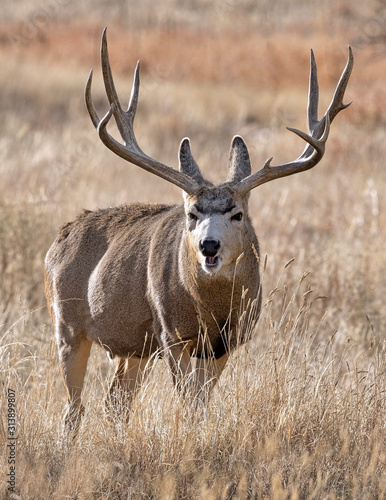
300	411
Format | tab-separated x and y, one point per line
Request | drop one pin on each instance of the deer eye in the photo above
237	216
191	216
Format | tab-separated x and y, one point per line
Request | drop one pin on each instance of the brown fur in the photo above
141	279
128	279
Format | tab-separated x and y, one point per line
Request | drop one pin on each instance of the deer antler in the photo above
130	151
316	138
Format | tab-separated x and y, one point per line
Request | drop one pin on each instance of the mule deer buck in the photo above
144	278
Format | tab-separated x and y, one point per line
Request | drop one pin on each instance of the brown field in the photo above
300	411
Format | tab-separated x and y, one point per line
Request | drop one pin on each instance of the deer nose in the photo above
209	248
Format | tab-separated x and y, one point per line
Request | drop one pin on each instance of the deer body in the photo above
140	279
144	283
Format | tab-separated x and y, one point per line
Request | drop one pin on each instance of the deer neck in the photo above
214	295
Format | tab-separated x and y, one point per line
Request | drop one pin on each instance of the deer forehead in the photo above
214	200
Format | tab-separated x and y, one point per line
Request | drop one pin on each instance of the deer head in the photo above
215	214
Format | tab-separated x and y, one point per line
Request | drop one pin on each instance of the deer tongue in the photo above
211	261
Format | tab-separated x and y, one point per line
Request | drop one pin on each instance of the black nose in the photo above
209	248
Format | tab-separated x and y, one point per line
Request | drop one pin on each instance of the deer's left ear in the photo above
239	162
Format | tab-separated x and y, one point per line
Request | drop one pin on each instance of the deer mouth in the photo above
211	261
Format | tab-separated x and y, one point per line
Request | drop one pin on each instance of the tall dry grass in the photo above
290	418
300	410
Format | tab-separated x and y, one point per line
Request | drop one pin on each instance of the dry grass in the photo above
300	410
291	417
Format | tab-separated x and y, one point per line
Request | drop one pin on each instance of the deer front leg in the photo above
129	375
206	374
194	377
180	363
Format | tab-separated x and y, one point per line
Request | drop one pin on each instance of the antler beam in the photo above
130	151
317	136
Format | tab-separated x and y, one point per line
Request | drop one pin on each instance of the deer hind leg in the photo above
129	374
73	358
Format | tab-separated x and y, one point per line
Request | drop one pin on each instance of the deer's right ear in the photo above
187	163
239	162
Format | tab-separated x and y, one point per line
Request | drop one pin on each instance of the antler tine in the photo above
107	74
130	151
315	126
124	120
337	103
317	134
132	108
313	95
89	104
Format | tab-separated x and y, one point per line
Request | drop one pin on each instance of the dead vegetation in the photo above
300	411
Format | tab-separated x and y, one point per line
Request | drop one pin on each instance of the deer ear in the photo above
239	162
187	163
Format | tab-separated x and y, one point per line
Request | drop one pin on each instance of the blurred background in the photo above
298	412
209	70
